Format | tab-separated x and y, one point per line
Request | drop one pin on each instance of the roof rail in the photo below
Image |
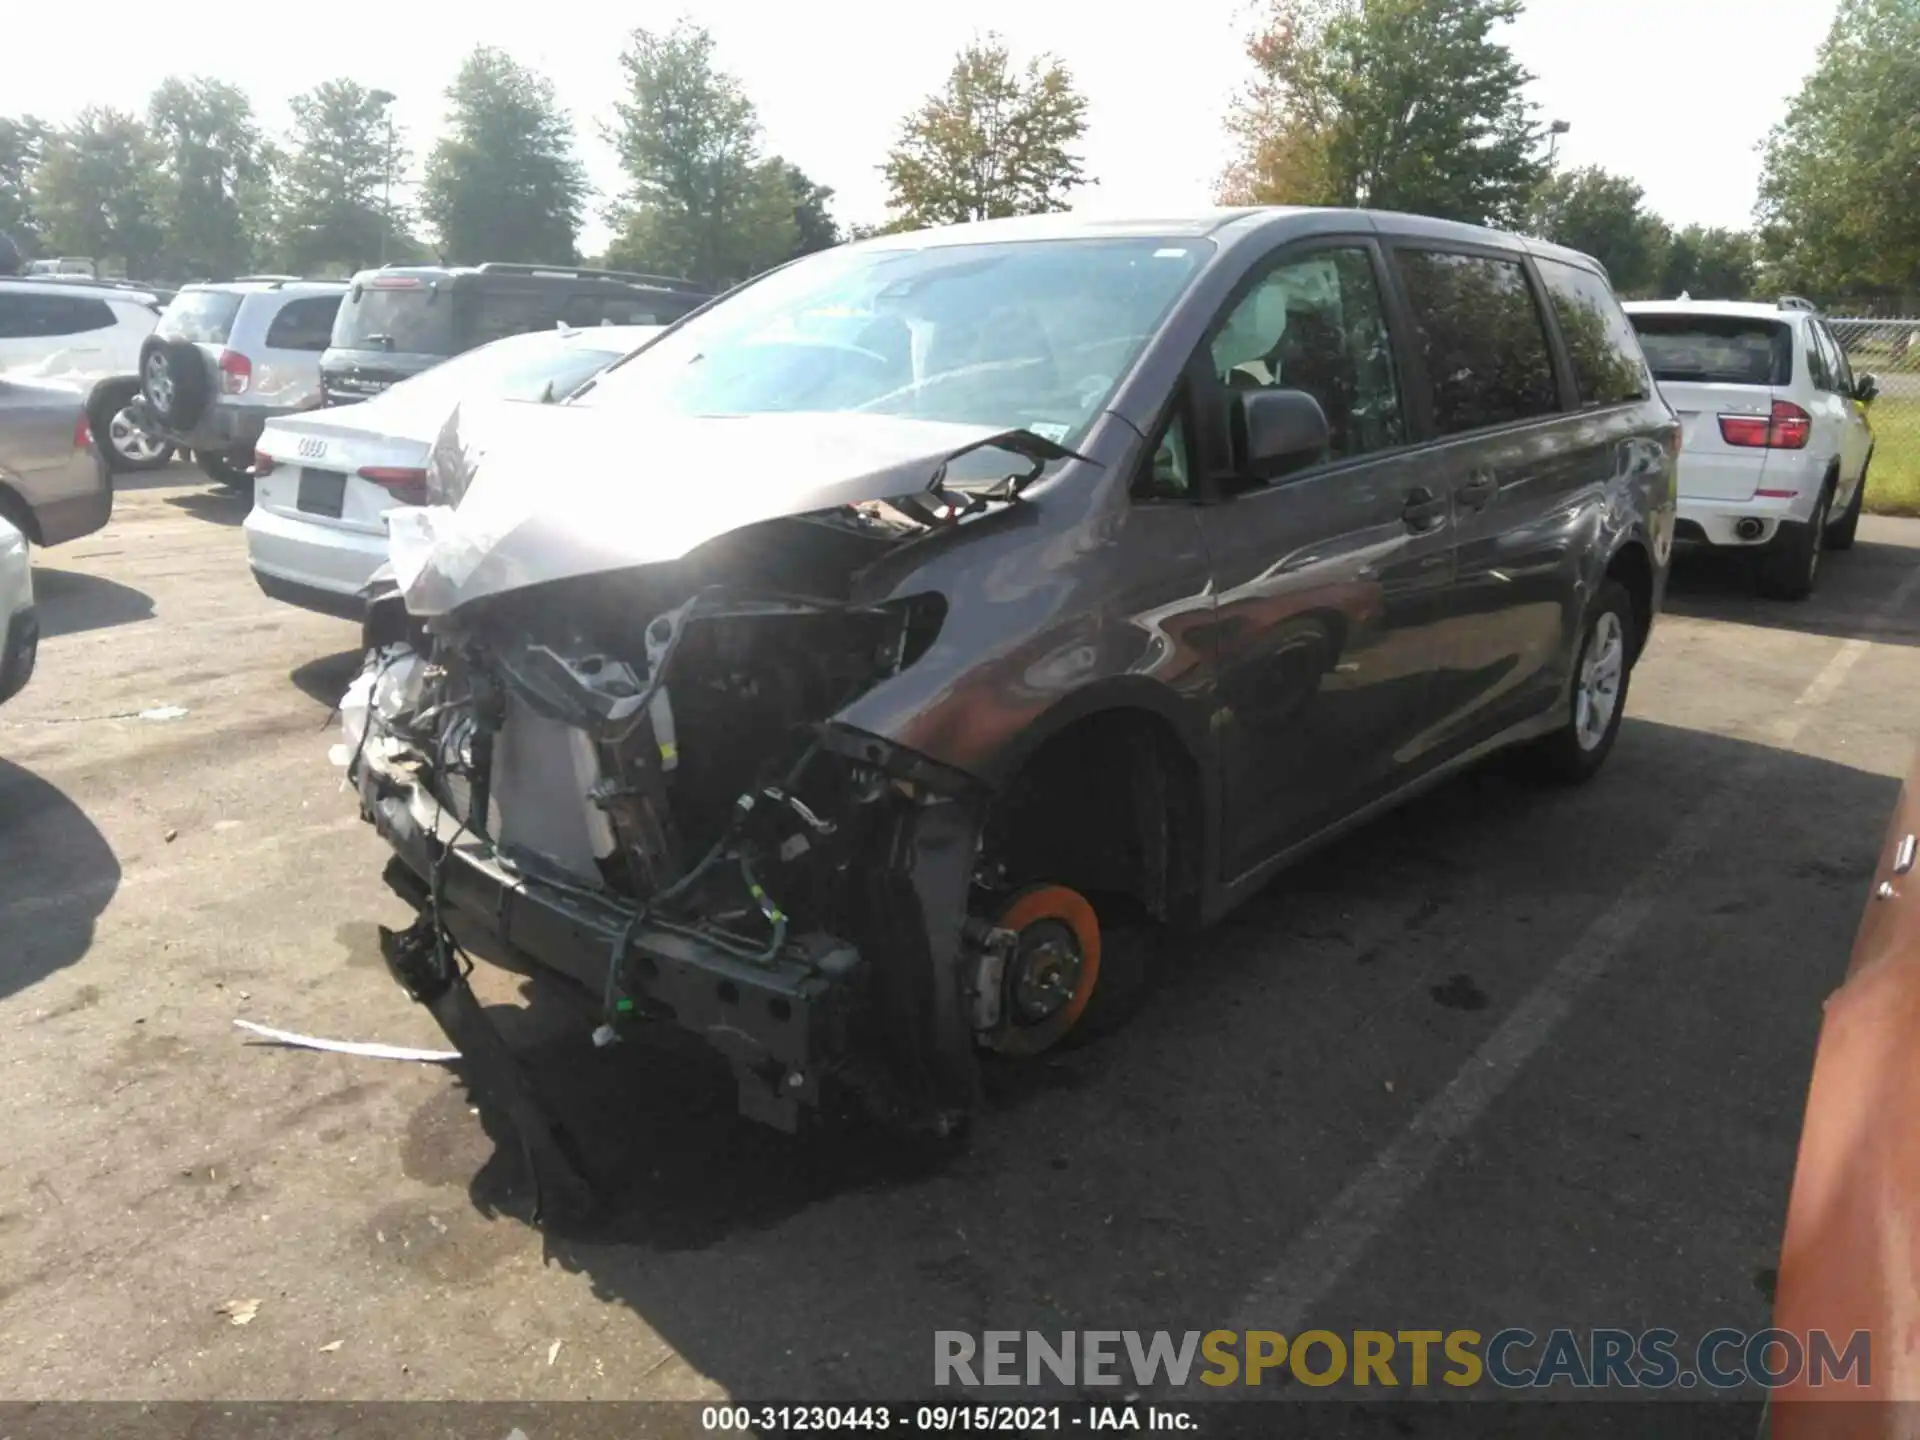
579	272
1796	302
265	280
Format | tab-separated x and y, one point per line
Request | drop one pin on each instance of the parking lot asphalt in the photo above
1508	1057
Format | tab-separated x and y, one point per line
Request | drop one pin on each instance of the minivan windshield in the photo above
403	314
202	316
1016	334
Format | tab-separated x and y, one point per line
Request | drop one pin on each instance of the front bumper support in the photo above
781	1024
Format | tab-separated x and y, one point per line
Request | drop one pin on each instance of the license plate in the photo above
322	492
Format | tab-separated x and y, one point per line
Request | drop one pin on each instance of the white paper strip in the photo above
368	1049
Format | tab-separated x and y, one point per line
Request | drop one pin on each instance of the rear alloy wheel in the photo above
1601	671
1792	563
131	448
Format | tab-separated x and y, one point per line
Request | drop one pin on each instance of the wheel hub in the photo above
1051	971
1044	972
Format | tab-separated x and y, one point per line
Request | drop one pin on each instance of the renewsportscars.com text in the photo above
1513	1359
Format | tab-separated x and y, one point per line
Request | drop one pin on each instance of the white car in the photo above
19	626
1775	440
79	330
325	481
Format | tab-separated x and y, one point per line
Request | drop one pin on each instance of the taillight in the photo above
263	464
409	486
1786	427
236	372
82	433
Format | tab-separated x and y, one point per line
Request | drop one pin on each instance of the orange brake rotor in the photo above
1043	905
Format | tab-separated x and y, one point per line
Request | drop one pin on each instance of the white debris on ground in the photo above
367	1049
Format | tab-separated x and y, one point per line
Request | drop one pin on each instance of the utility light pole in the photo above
1554	132
385	99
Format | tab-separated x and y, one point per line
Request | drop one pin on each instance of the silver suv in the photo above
226	358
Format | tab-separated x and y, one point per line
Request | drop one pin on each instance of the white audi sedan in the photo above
325	481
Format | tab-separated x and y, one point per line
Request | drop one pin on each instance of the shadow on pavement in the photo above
57	873
176	473
1150	1179
326	679
1848	603
216	503
70	601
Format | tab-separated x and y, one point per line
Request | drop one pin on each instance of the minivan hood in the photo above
546	492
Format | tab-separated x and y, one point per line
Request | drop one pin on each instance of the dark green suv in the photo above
401	319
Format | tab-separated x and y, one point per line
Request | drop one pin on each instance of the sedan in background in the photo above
325	481
19	626
54	484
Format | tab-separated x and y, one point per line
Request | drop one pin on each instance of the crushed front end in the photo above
602	725
663	812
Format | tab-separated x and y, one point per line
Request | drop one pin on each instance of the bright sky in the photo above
1678	94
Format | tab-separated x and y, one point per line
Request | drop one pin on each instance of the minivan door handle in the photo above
1423	510
1479	490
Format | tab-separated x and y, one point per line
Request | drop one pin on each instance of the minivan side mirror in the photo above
1865	387
1278	431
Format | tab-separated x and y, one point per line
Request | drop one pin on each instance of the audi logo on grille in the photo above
312	449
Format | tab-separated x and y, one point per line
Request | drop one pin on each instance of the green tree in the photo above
814	222
94	192
335	212
1394	104
1601	214
504	182
1839	207
21	140
701	201
1709	264
997	140
212	149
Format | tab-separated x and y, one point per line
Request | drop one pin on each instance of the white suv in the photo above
1776	441
79	331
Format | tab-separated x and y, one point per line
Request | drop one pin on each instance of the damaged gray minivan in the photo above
857	674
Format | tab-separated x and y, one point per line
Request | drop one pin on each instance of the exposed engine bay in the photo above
635	779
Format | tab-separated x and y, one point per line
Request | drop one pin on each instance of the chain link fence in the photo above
1889	350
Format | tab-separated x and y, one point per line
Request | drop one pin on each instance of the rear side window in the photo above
496	314
1831	365
642	308
202	316
25	317
1479	332
1842	367
1607	365
304	324
1716	349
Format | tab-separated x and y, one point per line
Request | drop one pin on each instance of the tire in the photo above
1791	563
173	377
1574	753
126	448
235	475
1130	961
1840	534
